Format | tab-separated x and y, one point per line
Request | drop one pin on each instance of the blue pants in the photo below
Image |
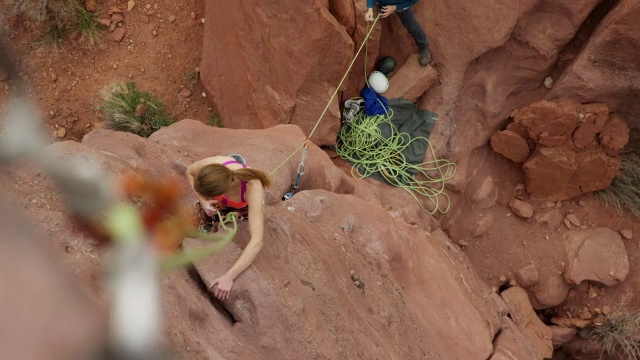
410	23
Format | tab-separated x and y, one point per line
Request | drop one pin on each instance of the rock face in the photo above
597	255
606	69
300	298
261	72
576	147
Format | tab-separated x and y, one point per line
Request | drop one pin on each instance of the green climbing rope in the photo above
361	142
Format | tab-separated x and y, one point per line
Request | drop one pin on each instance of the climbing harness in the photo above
296	184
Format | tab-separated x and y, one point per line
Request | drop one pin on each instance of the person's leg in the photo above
410	23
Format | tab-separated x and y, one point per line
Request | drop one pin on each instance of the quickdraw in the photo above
296	184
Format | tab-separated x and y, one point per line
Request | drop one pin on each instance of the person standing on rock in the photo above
404	10
226	184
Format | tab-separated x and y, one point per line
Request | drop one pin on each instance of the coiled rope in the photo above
361	142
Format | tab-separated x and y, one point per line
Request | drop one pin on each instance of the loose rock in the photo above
91	5
521	209
115	10
185	93
573	220
119	34
62	132
117	18
172	18
627	234
130	5
570	322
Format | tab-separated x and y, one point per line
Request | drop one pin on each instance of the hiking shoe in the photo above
425	57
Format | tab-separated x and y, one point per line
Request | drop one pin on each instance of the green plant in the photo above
127	109
624	191
87	25
192	75
216	120
619	334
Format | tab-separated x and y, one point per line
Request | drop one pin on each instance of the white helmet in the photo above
378	82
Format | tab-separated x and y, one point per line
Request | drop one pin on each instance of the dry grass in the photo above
619	334
127	109
624	191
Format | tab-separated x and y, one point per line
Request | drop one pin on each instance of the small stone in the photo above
103	47
463	243
606	309
113	27
62	132
527	276
549	204
144	19
115	66
561	335
573	220
115	10
185	93
581	203
193	15
88	125
154	32
91	5
627	234
54	77
567	223
147	7
117	18
155	6
202	20
548	82
521	209
141	109
130	5
105	22
502	279
513	282
585	314
172	18
592	292
204	94
119	34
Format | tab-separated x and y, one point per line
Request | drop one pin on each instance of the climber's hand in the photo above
388	10
369	15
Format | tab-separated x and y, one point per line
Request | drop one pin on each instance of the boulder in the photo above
528	322
550	291
510	145
549	123
596	254
411	80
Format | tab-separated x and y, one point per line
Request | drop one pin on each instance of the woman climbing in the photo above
226	184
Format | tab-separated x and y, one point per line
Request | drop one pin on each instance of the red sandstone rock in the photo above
527	276
260	72
548	123
511	344
411	80
614	136
550	291
562	335
522	209
527	321
606	69
597	255
510	145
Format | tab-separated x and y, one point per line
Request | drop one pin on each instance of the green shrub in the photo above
216	120
127	109
88	25
624	191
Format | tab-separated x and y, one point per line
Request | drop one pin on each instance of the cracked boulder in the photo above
576	147
596	254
